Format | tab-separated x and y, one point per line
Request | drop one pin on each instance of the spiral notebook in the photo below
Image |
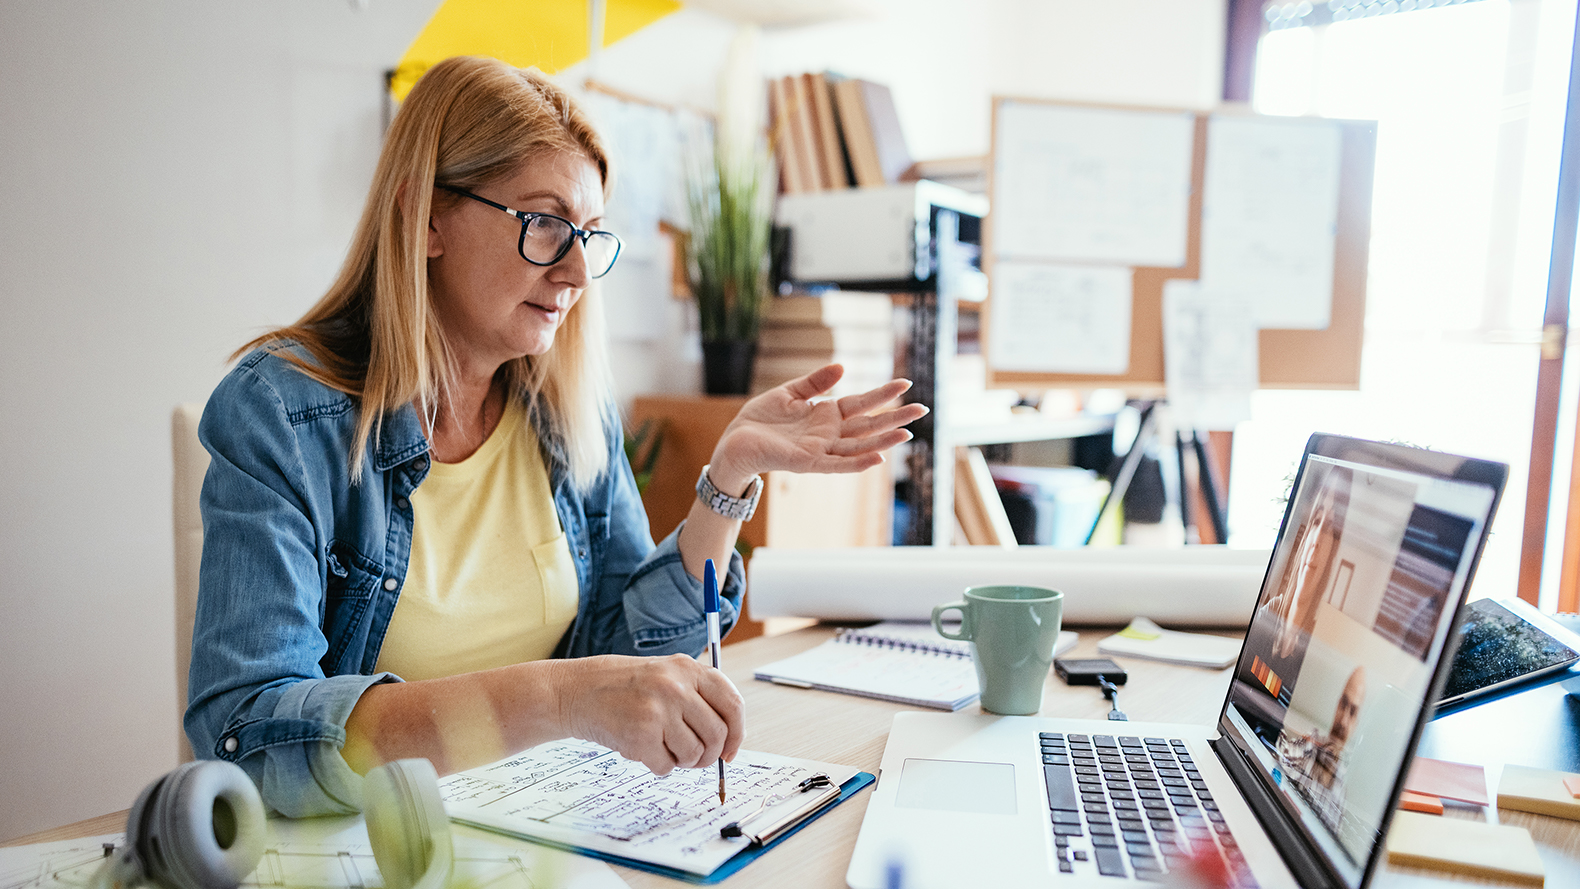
907	663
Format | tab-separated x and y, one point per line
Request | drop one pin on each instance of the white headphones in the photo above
202	826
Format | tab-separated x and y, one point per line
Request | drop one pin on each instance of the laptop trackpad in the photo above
986	788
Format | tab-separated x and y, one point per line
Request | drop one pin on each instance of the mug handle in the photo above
965	622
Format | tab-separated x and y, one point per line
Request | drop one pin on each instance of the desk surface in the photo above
852	730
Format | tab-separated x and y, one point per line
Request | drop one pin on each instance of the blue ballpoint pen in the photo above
710	606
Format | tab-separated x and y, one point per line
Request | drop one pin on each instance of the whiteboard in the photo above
1102	185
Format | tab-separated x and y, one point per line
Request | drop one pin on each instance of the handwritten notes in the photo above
1091	184
585	796
1270	214
1210	356
1060	319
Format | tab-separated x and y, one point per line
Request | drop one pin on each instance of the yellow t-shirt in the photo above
491	581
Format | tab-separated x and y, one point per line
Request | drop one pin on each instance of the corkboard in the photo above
1289	359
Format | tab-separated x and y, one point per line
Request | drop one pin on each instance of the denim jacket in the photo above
301	571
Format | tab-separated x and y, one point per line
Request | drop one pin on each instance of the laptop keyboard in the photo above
1136	806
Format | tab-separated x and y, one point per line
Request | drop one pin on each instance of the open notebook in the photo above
907	663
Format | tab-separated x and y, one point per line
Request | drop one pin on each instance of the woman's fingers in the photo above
868	424
665	713
872	399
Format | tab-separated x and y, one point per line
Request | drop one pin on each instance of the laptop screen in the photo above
1369	571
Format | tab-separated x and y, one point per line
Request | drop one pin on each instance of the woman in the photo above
421	535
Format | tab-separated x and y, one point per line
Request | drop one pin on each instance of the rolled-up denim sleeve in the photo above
645	602
257	694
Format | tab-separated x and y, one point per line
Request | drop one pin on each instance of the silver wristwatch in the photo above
730	507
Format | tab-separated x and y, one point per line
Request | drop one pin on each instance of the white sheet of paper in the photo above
1269	216
1209	356
1060	318
329	853
1091	184
650	148
583	795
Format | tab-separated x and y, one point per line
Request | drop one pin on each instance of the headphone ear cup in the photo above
407	825
201	826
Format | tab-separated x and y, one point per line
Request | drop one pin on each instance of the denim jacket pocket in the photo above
351	579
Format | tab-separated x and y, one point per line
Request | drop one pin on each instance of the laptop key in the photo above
1110	861
1066	867
1068	830
1061	790
1102	840
1065	816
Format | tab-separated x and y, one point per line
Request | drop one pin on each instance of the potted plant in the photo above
731	207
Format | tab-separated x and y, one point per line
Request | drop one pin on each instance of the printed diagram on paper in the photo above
587	796
326	853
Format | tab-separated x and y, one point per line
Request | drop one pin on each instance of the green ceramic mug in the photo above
1012	631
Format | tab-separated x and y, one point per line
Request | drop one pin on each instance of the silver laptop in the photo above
1294	786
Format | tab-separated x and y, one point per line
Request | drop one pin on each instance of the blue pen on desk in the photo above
710	606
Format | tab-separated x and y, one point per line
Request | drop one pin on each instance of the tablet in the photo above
1504	643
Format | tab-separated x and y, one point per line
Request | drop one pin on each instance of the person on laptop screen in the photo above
1336	658
1316	761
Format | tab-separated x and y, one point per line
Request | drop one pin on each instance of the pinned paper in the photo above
1449	780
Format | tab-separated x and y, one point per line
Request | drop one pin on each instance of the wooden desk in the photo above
852	730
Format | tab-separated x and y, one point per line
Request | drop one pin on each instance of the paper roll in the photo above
1213	586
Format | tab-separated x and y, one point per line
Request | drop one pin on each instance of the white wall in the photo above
175	176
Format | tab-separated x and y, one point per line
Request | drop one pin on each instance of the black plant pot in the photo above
727	366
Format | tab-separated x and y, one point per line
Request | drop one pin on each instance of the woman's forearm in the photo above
457	722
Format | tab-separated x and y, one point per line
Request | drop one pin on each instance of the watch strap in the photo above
725	505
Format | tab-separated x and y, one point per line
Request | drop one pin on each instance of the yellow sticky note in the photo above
1141	628
1537	790
1476	848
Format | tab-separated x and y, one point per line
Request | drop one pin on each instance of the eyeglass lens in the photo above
545	239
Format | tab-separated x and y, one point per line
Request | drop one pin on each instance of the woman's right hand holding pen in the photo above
666	713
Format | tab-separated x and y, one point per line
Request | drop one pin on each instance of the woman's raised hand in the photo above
785	428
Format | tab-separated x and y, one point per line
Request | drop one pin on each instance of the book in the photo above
907	663
829	142
977	503
851	109
803	124
584	797
824	340
785	144
872	135
1145	639
836	308
862	372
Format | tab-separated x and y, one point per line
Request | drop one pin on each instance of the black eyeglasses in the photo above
546	238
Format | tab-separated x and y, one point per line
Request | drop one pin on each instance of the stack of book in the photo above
802	333
833	132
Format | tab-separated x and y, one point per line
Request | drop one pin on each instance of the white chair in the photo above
190	464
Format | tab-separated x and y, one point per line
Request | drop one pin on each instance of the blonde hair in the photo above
374	335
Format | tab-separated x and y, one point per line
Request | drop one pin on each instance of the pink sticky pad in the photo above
1450	780
1572	784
